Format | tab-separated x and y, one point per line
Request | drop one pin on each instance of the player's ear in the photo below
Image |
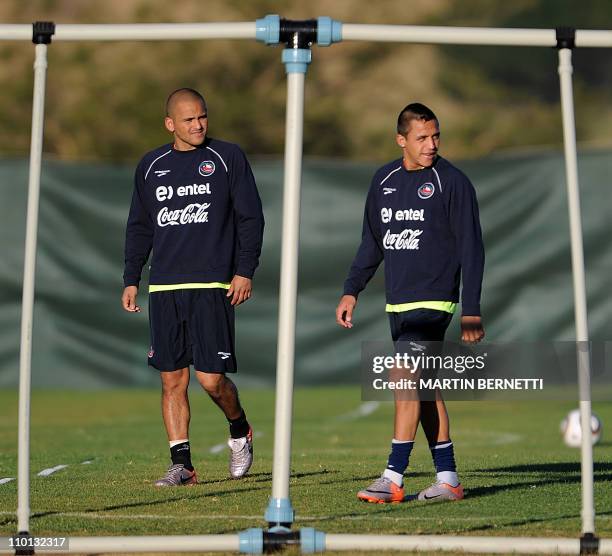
169	124
400	140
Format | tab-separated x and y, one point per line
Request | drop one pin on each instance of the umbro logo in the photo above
223	354
416	347
388	190
161	173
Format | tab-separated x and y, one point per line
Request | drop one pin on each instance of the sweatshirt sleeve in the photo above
248	213
465	223
370	254
138	234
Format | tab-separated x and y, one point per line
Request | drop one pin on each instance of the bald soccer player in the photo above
196	205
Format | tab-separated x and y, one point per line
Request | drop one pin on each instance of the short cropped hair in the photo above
414	111
182	93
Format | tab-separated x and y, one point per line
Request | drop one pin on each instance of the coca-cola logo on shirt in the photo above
195	213
406	239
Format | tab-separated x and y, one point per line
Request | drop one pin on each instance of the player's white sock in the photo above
449	477
397	478
173	443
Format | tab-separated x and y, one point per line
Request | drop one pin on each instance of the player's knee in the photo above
174	382
214	391
213	384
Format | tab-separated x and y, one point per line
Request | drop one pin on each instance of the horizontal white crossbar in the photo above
487	545
171	544
151	32
231	543
16	32
350	31
449	35
469	35
136	32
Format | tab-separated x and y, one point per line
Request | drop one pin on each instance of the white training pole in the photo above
154	32
351	31
12	32
448	35
580	304
288	285
593	38
436	543
169	544
191	543
469	35
337	542
27	308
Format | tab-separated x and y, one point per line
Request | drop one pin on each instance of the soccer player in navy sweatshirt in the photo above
421	218
196	206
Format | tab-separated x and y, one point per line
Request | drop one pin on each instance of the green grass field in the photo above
519	477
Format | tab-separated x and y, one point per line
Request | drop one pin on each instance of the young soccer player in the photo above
421	218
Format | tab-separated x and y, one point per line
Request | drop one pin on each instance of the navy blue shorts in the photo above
419	332
420	325
192	327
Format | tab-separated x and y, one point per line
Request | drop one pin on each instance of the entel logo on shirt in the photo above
206	168
426	190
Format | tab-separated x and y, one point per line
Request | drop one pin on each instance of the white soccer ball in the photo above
572	432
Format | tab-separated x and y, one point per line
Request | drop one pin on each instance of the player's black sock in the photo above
239	428
181	453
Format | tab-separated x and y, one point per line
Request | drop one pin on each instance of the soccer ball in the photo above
572	433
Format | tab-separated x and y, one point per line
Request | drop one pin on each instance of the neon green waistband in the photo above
191	286
446	306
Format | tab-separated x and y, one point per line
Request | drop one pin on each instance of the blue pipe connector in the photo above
296	60
279	512
329	31
251	541
312	540
267	29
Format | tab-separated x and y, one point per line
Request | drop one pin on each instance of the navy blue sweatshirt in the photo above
200	213
425	225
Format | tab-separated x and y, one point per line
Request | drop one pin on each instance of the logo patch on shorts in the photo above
223	354
151	352
206	168
426	190
416	347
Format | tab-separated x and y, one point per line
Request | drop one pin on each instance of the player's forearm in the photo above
137	249
362	270
133	270
250	238
472	274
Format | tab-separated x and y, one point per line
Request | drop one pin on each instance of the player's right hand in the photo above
472	329
344	311
128	299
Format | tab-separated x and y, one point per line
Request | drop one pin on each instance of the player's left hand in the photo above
472	330
239	290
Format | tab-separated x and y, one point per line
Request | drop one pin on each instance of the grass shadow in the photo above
255	478
536	468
